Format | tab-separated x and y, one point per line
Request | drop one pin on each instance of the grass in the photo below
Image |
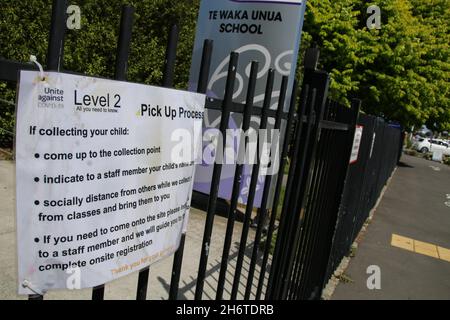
280	207
280	201
6	154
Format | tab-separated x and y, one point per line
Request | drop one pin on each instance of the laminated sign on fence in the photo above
356	144
104	175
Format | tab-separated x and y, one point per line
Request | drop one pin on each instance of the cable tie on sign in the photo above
27	284
41	70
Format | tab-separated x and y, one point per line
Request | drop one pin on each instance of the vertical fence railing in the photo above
229	87
312	208
237	182
283	224
296	205
314	194
276	198
265	196
315	265
120	73
201	88
301	173
55	53
376	161
167	82
310	64
252	189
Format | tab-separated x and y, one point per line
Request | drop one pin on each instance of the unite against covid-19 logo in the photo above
51	98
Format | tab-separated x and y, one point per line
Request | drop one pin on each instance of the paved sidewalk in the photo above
125	288
414	206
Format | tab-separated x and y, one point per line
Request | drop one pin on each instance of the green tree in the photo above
25	25
401	71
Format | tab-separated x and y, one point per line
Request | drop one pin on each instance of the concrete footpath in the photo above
125	287
408	238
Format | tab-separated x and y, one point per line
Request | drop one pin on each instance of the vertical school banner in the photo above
268	31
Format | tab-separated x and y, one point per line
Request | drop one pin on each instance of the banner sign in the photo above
266	31
104	173
356	144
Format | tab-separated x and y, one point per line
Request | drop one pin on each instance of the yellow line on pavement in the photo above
420	247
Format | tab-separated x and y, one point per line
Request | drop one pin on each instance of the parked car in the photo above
425	145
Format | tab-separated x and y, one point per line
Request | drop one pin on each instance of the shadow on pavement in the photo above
404	165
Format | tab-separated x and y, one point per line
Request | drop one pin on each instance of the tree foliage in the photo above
400	72
25	25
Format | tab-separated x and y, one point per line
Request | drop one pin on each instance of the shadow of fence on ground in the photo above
187	289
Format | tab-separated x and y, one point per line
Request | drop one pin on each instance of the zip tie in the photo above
41	70
27	284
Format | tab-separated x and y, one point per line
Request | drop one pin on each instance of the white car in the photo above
425	145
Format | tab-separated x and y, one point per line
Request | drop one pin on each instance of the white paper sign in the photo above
104	175
356	144
437	155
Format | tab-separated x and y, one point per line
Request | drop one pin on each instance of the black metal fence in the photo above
314	225
379	153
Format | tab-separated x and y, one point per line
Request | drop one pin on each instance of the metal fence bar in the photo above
237	107
237	182
169	70
360	207
212	202
123	45
316	184
261	217
328	240
9	70
315	200
348	208
325	136
334	209
205	66
316	245
252	188
284	239
276	260
307	289
55	52
320	82
55	48
201	88
315	209
171	52
302	175
283	160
